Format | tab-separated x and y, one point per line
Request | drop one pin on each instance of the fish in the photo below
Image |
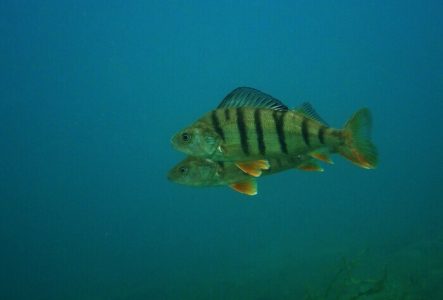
204	172
249	126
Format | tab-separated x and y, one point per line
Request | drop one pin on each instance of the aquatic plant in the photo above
345	285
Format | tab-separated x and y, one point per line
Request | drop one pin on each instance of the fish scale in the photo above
202	172
254	133
250	126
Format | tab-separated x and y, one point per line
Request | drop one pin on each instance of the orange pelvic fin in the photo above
254	168
248	187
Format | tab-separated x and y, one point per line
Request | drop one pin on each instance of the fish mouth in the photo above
175	143
172	141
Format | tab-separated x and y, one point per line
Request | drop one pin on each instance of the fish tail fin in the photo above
357	146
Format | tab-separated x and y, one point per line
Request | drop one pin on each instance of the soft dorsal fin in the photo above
249	97
248	187
307	110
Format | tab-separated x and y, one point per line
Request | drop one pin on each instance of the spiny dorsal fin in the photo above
307	110
248	187
249	97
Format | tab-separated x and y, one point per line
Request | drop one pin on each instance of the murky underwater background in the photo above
92	91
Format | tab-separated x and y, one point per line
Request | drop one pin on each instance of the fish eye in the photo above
183	170
186	137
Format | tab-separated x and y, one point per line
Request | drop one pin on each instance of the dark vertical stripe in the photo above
221	164
259	130
227	114
216	125
242	130
304	131
279	118
321	135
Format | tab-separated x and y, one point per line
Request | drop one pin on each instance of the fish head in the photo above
197	140
195	171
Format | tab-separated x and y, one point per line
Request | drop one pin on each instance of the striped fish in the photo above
204	172
249	127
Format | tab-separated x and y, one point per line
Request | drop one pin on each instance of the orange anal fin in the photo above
245	187
310	166
322	156
253	168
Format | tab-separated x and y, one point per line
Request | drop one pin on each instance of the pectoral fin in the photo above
229	150
248	187
253	168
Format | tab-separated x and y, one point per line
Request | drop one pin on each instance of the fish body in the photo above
249	125
246	133
204	172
